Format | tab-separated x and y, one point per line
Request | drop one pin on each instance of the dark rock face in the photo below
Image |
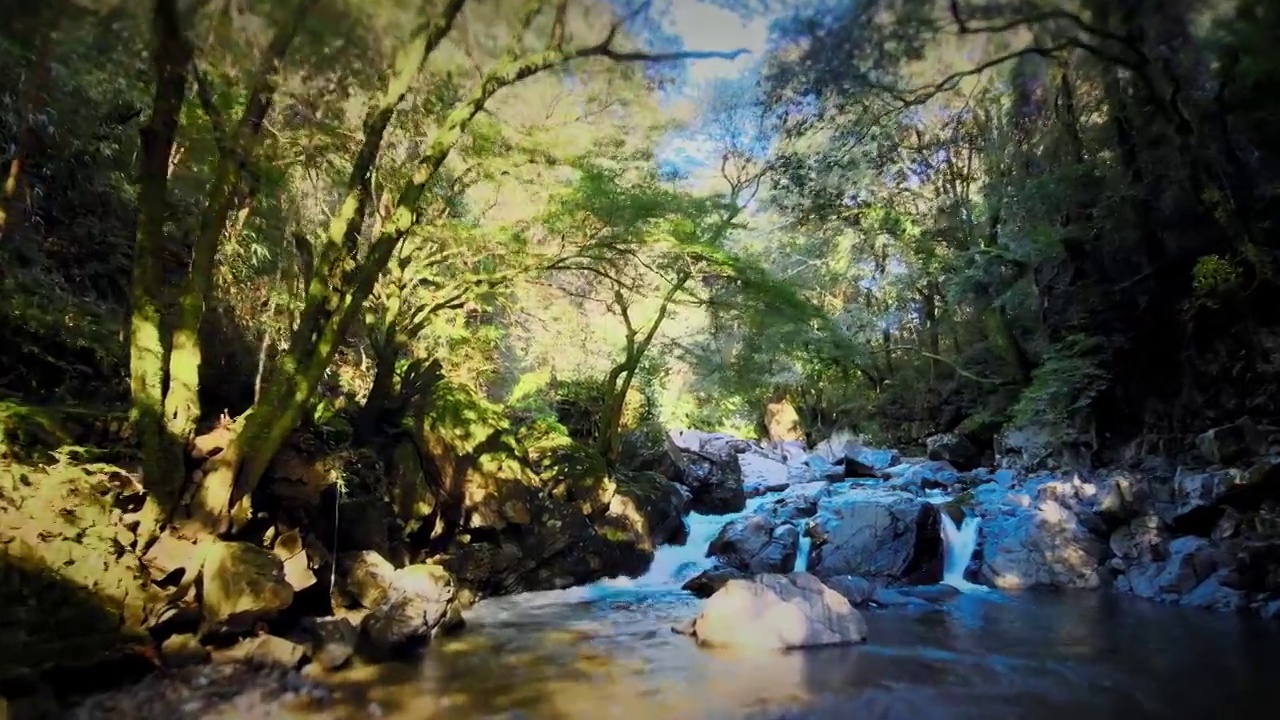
955	449
714	477
1196	534
706	583
876	533
756	544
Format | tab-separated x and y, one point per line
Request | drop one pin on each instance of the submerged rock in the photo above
332	641
857	590
778	612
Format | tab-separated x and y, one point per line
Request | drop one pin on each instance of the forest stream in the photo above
592	359
608	650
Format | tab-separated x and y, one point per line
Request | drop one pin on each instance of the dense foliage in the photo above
907	218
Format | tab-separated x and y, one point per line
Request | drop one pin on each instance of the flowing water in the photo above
959	544
802	551
607	651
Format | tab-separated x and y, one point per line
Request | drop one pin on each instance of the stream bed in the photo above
1028	655
608	651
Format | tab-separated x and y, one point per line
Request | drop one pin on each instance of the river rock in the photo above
955	449
876	533
1026	448
823	469
778	612
183	650
857	590
929	593
844	450
1032	537
365	577
714	478
762	475
416	602
1238	441
893	598
653	503
798	502
332	641
243	584
1200	495
929	475
756	544
706	583
268	650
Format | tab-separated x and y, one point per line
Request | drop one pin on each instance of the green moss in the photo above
72	588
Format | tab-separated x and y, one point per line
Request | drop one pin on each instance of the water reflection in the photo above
991	656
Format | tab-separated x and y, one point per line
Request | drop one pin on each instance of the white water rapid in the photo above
673	565
958	546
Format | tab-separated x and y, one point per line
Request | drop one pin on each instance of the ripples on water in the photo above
607	651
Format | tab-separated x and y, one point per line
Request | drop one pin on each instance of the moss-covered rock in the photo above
73	591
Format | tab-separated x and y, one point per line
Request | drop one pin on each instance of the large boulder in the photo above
782	422
73	593
415	602
756	544
651	502
845	450
1040	535
876	533
243	585
1241	440
955	449
778	612
762	474
714	478
930	475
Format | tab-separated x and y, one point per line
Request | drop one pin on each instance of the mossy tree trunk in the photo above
237	147
166	373
163	462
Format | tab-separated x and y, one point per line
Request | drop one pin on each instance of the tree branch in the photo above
952	363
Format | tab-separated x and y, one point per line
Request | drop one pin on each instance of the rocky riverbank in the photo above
1201	529
866	523
355	555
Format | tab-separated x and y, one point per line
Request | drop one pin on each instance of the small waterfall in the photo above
802	550
958	546
674	564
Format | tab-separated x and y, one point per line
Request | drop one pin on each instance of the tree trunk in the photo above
163	461
380	393
182	401
339	285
